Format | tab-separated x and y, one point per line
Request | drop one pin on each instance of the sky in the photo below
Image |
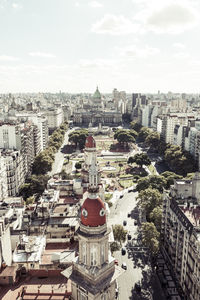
74	45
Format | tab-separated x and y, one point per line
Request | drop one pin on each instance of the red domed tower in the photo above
93	274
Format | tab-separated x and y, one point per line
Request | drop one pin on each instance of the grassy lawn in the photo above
126	183
152	169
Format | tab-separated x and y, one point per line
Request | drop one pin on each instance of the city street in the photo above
59	156
138	268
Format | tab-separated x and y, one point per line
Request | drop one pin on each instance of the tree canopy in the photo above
150	237
156	217
149	199
36	184
140	159
144	132
42	163
119	233
136	126
124	137
78	137
153	140
153	181
170	177
180	161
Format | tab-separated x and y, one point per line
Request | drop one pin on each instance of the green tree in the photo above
119	233
78	165
120	166
114	246
142	184
150	237
170	177
141	159
78	137
136	126
153	181
42	163
133	133
124	137
149	199
30	200
144	132
38	183
156	217
153	140
25	190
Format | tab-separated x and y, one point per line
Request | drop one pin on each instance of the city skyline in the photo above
136	46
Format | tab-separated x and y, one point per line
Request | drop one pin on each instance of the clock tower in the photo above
93	273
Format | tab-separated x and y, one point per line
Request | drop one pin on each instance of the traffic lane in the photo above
132	275
121	208
59	156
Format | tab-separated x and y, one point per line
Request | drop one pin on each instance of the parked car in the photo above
124	222
135	222
123	251
138	287
121	196
124	266
128	215
116	262
129	237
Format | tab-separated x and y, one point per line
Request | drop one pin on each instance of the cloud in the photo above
42	54
98	63
179	45
132	51
114	25
181	55
16	5
169	17
95	4
8	58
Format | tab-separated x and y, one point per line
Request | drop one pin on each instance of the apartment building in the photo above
181	234
15	175
55	118
3	179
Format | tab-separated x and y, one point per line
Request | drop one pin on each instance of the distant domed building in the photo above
94	273
94	112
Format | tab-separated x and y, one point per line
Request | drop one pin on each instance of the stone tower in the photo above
94	273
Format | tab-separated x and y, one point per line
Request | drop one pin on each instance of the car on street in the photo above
124	222
123	251
124	266
128	215
116	262
138	287
121	196
129	237
135	222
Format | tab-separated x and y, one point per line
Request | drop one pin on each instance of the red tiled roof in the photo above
93	212
90	142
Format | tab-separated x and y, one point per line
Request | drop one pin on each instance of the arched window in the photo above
84	253
102	253
93	255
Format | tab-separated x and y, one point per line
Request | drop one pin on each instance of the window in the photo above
84	253
102	253
93	255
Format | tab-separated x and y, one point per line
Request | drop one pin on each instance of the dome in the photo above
97	94
90	142
93	212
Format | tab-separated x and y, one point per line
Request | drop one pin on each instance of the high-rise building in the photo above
181	234
3	179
